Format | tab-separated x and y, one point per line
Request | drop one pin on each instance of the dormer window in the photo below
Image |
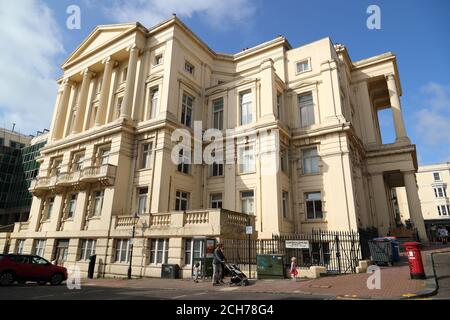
189	67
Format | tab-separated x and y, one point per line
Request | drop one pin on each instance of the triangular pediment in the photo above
100	36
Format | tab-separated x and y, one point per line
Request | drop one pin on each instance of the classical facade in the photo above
126	89
433	194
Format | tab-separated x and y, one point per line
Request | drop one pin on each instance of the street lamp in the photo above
133	234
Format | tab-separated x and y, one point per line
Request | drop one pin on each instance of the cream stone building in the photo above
127	88
434	199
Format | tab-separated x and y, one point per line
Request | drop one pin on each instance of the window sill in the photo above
216	177
246	173
314	221
312	174
297	73
94	218
144	169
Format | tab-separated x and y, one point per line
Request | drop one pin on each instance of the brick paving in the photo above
395	283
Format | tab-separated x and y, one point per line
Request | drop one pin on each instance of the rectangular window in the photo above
104	156
20	246
303	66
181	201
71	206
122	250
87	249
146	155
158	59
245	106
124	74
218	114
153	103
216	200
313	205
159	251
142	200
284	160
186	110
56	167
189	67
306	106
185	160
246	160
39	247
77	162
217	169
98	203
193	250
310	160
119	106
247	202
285	204
437	176
279	105
443	210
50	204
440	191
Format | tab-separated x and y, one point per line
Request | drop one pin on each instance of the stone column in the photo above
127	103
381	203
400	130
61	111
104	95
82	101
415	210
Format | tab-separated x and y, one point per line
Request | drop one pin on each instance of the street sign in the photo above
248	230
297	244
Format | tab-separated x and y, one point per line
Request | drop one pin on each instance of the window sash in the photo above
216	201
218	114
247	202
123	250
98	203
146	155
303	66
306	106
181	201
285	204
72	205
216	169
142	203
186	110
310	160
154	96
247	160
313	202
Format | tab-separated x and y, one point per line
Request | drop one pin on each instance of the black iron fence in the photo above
339	252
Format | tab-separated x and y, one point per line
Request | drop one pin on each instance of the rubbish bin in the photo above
381	251
170	271
395	248
91	267
270	266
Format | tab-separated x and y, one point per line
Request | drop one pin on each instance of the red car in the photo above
23	268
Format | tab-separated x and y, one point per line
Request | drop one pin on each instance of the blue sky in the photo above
416	31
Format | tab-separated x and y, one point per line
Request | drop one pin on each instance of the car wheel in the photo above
6	278
56	279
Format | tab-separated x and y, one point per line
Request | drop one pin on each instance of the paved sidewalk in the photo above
395	284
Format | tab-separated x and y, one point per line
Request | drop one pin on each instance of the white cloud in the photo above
219	14
432	122
30	42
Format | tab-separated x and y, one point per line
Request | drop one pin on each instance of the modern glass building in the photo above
17	168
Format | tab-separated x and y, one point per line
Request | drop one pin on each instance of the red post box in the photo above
415	260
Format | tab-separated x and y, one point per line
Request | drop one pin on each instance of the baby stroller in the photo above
238	278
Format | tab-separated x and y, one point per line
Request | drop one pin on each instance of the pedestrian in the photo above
218	259
196	272
294	271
